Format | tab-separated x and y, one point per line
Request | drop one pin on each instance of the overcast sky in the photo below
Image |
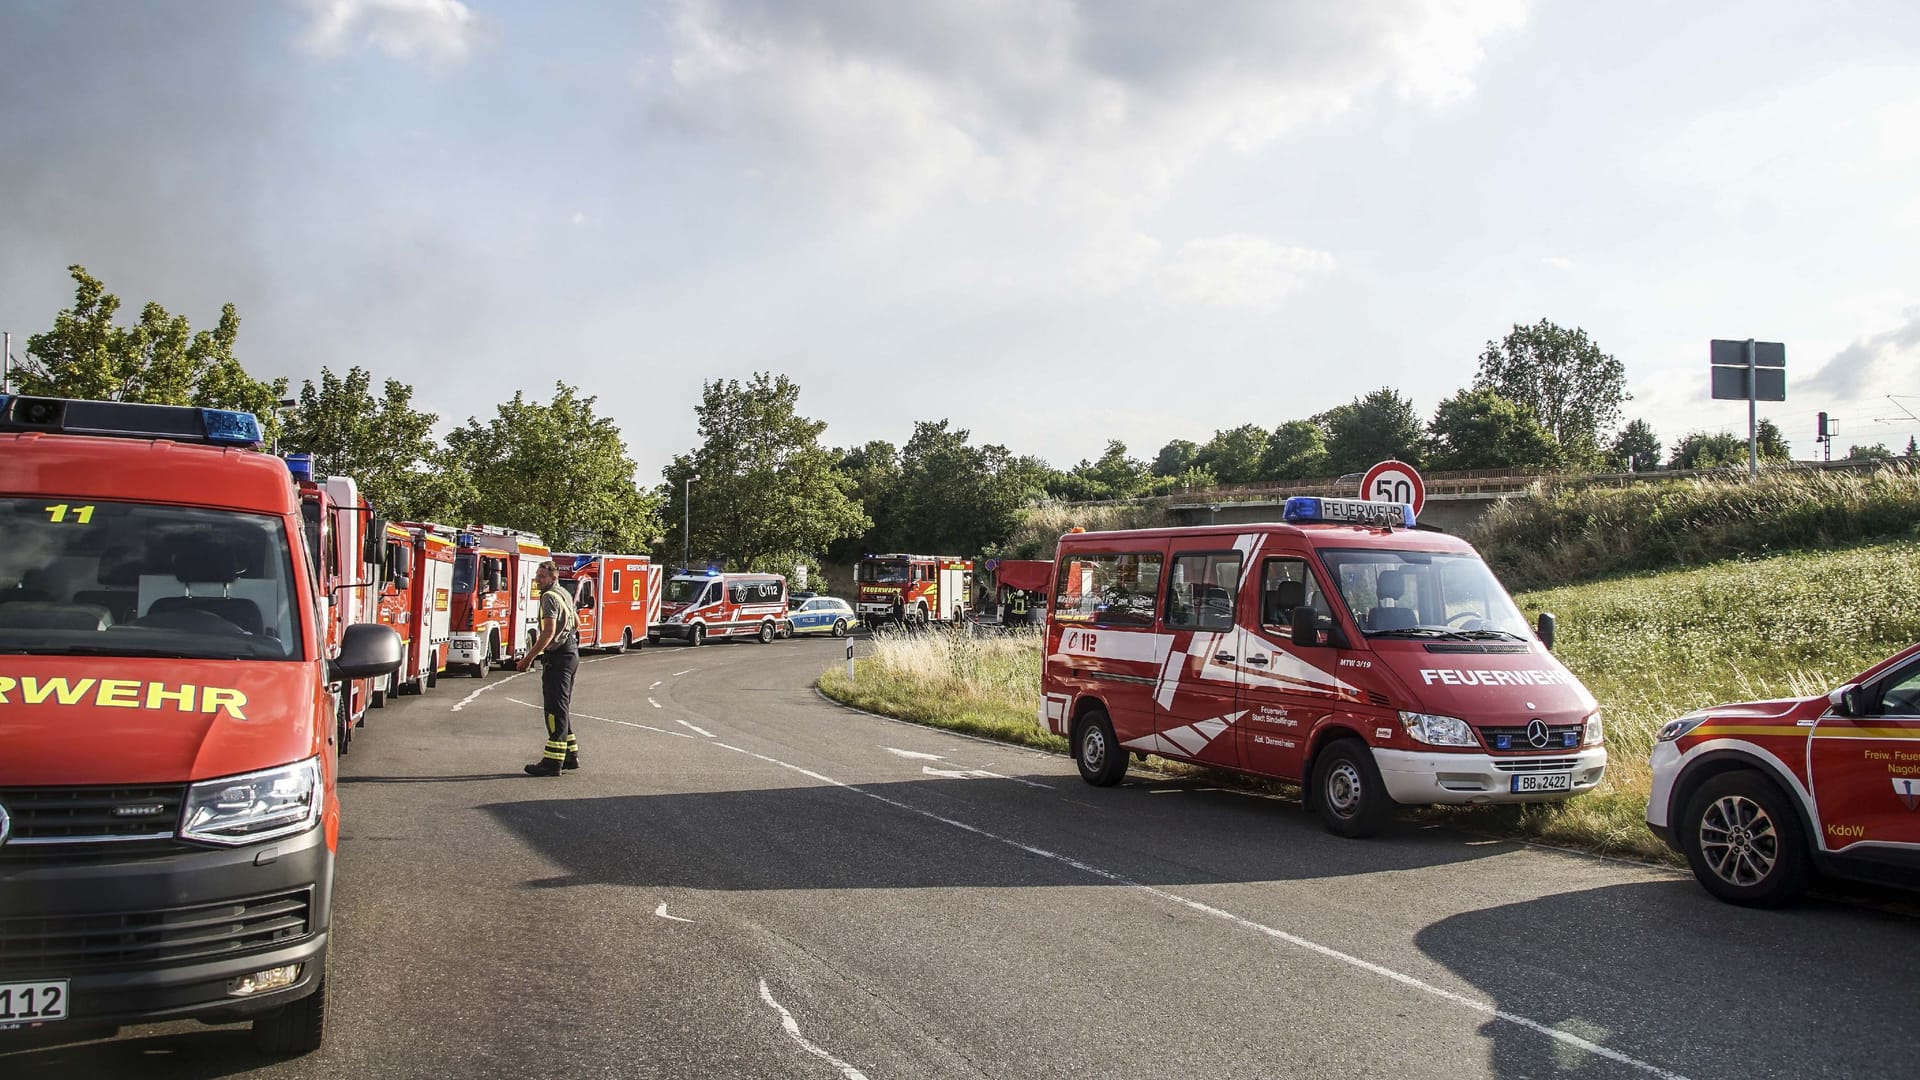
1054	222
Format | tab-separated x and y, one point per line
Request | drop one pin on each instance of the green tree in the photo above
1175	458
1114	475
158	360
1872	452
1297	451
1711	450
1574	388
768	494
1372	428
1234	455
873	477
559	470
382	442
1480	429
958	498
1635	449
1913	447
1772	443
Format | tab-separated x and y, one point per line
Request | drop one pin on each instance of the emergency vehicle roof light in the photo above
1308	510
464	539
581	562
301	466
128	419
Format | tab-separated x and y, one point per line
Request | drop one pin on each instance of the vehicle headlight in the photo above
255	806
675	617
1438	730
1674	729
1595	730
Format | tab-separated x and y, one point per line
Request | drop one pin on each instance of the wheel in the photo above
379	699
839	628
626	641
1102	760
1744	841
653	639
295	1029
479	670
1348	792
697	636
766	633
433	676
920	616
343	721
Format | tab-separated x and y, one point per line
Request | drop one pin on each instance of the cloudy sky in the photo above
1053	221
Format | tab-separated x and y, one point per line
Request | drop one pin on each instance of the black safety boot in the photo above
573	760
544	767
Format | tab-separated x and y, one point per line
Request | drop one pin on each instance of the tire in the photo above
1347	790
378	700
1744	841
697	635
1102	760
626	641
295	1029
342	722
767	633
433	674
920	616
839	628
653	639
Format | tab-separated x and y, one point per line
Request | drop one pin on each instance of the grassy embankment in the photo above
1650	646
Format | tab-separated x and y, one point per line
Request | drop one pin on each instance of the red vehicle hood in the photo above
1788	710
1500	688
118	720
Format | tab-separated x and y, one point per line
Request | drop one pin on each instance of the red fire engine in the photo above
716	605
495	617
914	589
348	544
617	597
416	599
1377	664
1762	796
159	593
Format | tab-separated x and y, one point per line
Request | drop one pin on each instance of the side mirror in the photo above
373	551
1548	624
1846	700
1305	625
367	650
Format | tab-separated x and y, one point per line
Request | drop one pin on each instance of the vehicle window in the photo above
1201	591
585	597
493	574
133	579
463	567
875	572
1109	589
1902	694
1287	583
616	583
1423	593
684	590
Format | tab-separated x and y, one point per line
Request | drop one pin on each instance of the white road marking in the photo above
655	686
611	720
913	754
465	701
677	674
662	912
653	703
792	1028
693	727
960	774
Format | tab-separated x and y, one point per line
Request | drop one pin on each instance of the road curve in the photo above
746	880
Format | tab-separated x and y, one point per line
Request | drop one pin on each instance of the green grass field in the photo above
1650	647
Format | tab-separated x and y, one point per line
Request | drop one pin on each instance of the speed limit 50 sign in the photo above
1395	482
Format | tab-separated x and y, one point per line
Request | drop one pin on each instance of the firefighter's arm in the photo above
540	642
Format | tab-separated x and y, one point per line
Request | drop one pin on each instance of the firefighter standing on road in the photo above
558	647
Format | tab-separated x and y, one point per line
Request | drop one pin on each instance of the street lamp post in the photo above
686	525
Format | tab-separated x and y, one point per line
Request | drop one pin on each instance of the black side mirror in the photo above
374	551
367	650
1305	625
1547	626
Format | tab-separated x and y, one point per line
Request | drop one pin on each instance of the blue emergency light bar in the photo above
465	539
131	420
301	466
581	562
1310	510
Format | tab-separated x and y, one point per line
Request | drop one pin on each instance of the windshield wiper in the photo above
129	650
1504	635
1421	631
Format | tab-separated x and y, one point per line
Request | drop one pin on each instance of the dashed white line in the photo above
653	703
662	912
465	701
655	686
693	727
677	674
792	1028
915	754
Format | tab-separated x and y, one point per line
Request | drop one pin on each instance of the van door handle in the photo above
1260	660
1224	657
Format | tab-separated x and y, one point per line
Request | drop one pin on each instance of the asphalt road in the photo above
745	880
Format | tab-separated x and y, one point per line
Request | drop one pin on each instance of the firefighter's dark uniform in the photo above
558	665
1020	606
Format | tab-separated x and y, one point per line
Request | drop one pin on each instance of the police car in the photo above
1763	796
822	615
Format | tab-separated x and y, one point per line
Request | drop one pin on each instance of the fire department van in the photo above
168	817
698	607
416	599
1762	796
1343	649
495	617
616	596
914	589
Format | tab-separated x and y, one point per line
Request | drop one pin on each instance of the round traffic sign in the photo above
1395	482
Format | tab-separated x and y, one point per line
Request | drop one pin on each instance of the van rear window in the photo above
1118	589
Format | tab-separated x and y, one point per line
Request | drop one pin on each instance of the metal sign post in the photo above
1754	370
849	659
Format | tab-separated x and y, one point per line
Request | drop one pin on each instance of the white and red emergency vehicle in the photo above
616	596
168	688
416	599
700	607
1342	648
1763	796
913	589
348	544
495	614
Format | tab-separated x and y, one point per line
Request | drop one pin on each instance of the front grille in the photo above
58	944
1535	764
1514	739
84	814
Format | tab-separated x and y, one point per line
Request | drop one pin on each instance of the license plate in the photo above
1531	783
33	1002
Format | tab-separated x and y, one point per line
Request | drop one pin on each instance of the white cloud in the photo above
1237	271
1558	262
438	31
579	218
1884	363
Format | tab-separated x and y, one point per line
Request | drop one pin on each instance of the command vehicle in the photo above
348	549
1376	663
416	599
168	816
617	597
1763	796
495	616
699	607
913	589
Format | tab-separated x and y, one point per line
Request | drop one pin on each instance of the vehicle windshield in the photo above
683	590
874	572
463	569
132	579
1424	594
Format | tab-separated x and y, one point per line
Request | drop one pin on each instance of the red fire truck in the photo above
913	589
416	599
617	597
1344	649
495	617
348	544
1762	796
168	816
716	605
